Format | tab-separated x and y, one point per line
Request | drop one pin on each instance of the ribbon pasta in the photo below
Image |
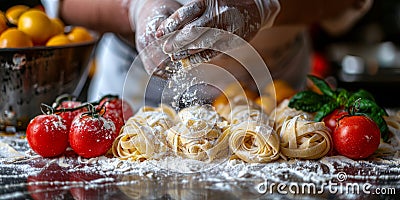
254	143
199	132
251	137
137	142
303	138
283	113
243	109
143	136
198	135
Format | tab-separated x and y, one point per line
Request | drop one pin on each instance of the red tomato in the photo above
47	135
118	121
118	107
70	115
331	119
356	137
91	136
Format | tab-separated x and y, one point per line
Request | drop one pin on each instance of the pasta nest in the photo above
304	138
254	142
199	134
143	135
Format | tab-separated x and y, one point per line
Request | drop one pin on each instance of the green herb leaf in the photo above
342	96
366	106
308	101
363	94
322	85
325	110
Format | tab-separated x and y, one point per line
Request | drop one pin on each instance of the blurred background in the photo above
367	56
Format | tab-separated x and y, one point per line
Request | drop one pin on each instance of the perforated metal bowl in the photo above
35	75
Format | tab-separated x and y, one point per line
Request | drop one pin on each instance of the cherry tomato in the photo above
117	120
91	136
68	116
47	135
117	105
331	119
356	137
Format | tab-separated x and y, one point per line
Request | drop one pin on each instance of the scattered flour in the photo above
233	176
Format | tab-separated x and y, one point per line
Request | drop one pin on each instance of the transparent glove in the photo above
243	18
145	17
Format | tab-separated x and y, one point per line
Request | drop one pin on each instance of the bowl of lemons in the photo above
40	58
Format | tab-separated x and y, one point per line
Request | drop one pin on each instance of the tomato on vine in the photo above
91	135
47	135
116	106
70	115
331	119
115	109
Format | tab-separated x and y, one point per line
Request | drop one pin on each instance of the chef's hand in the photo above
145	18
243	18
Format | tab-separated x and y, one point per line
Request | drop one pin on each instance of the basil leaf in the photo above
325	110
308	101
322	86
366	106
342	96
363	94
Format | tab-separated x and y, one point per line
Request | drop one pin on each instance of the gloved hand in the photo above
243	18
145	17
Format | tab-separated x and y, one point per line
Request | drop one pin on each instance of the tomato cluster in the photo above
88	128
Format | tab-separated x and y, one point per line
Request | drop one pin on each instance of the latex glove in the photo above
243	18
145	17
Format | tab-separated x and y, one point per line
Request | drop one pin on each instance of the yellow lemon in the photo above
13	13
14	38
58	26
58	40
37	25
3	22
79	34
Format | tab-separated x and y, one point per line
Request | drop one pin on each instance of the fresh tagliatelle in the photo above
137	142
199	132
303	138
241	110
253	142
143	135
283	113
252	139
199	135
